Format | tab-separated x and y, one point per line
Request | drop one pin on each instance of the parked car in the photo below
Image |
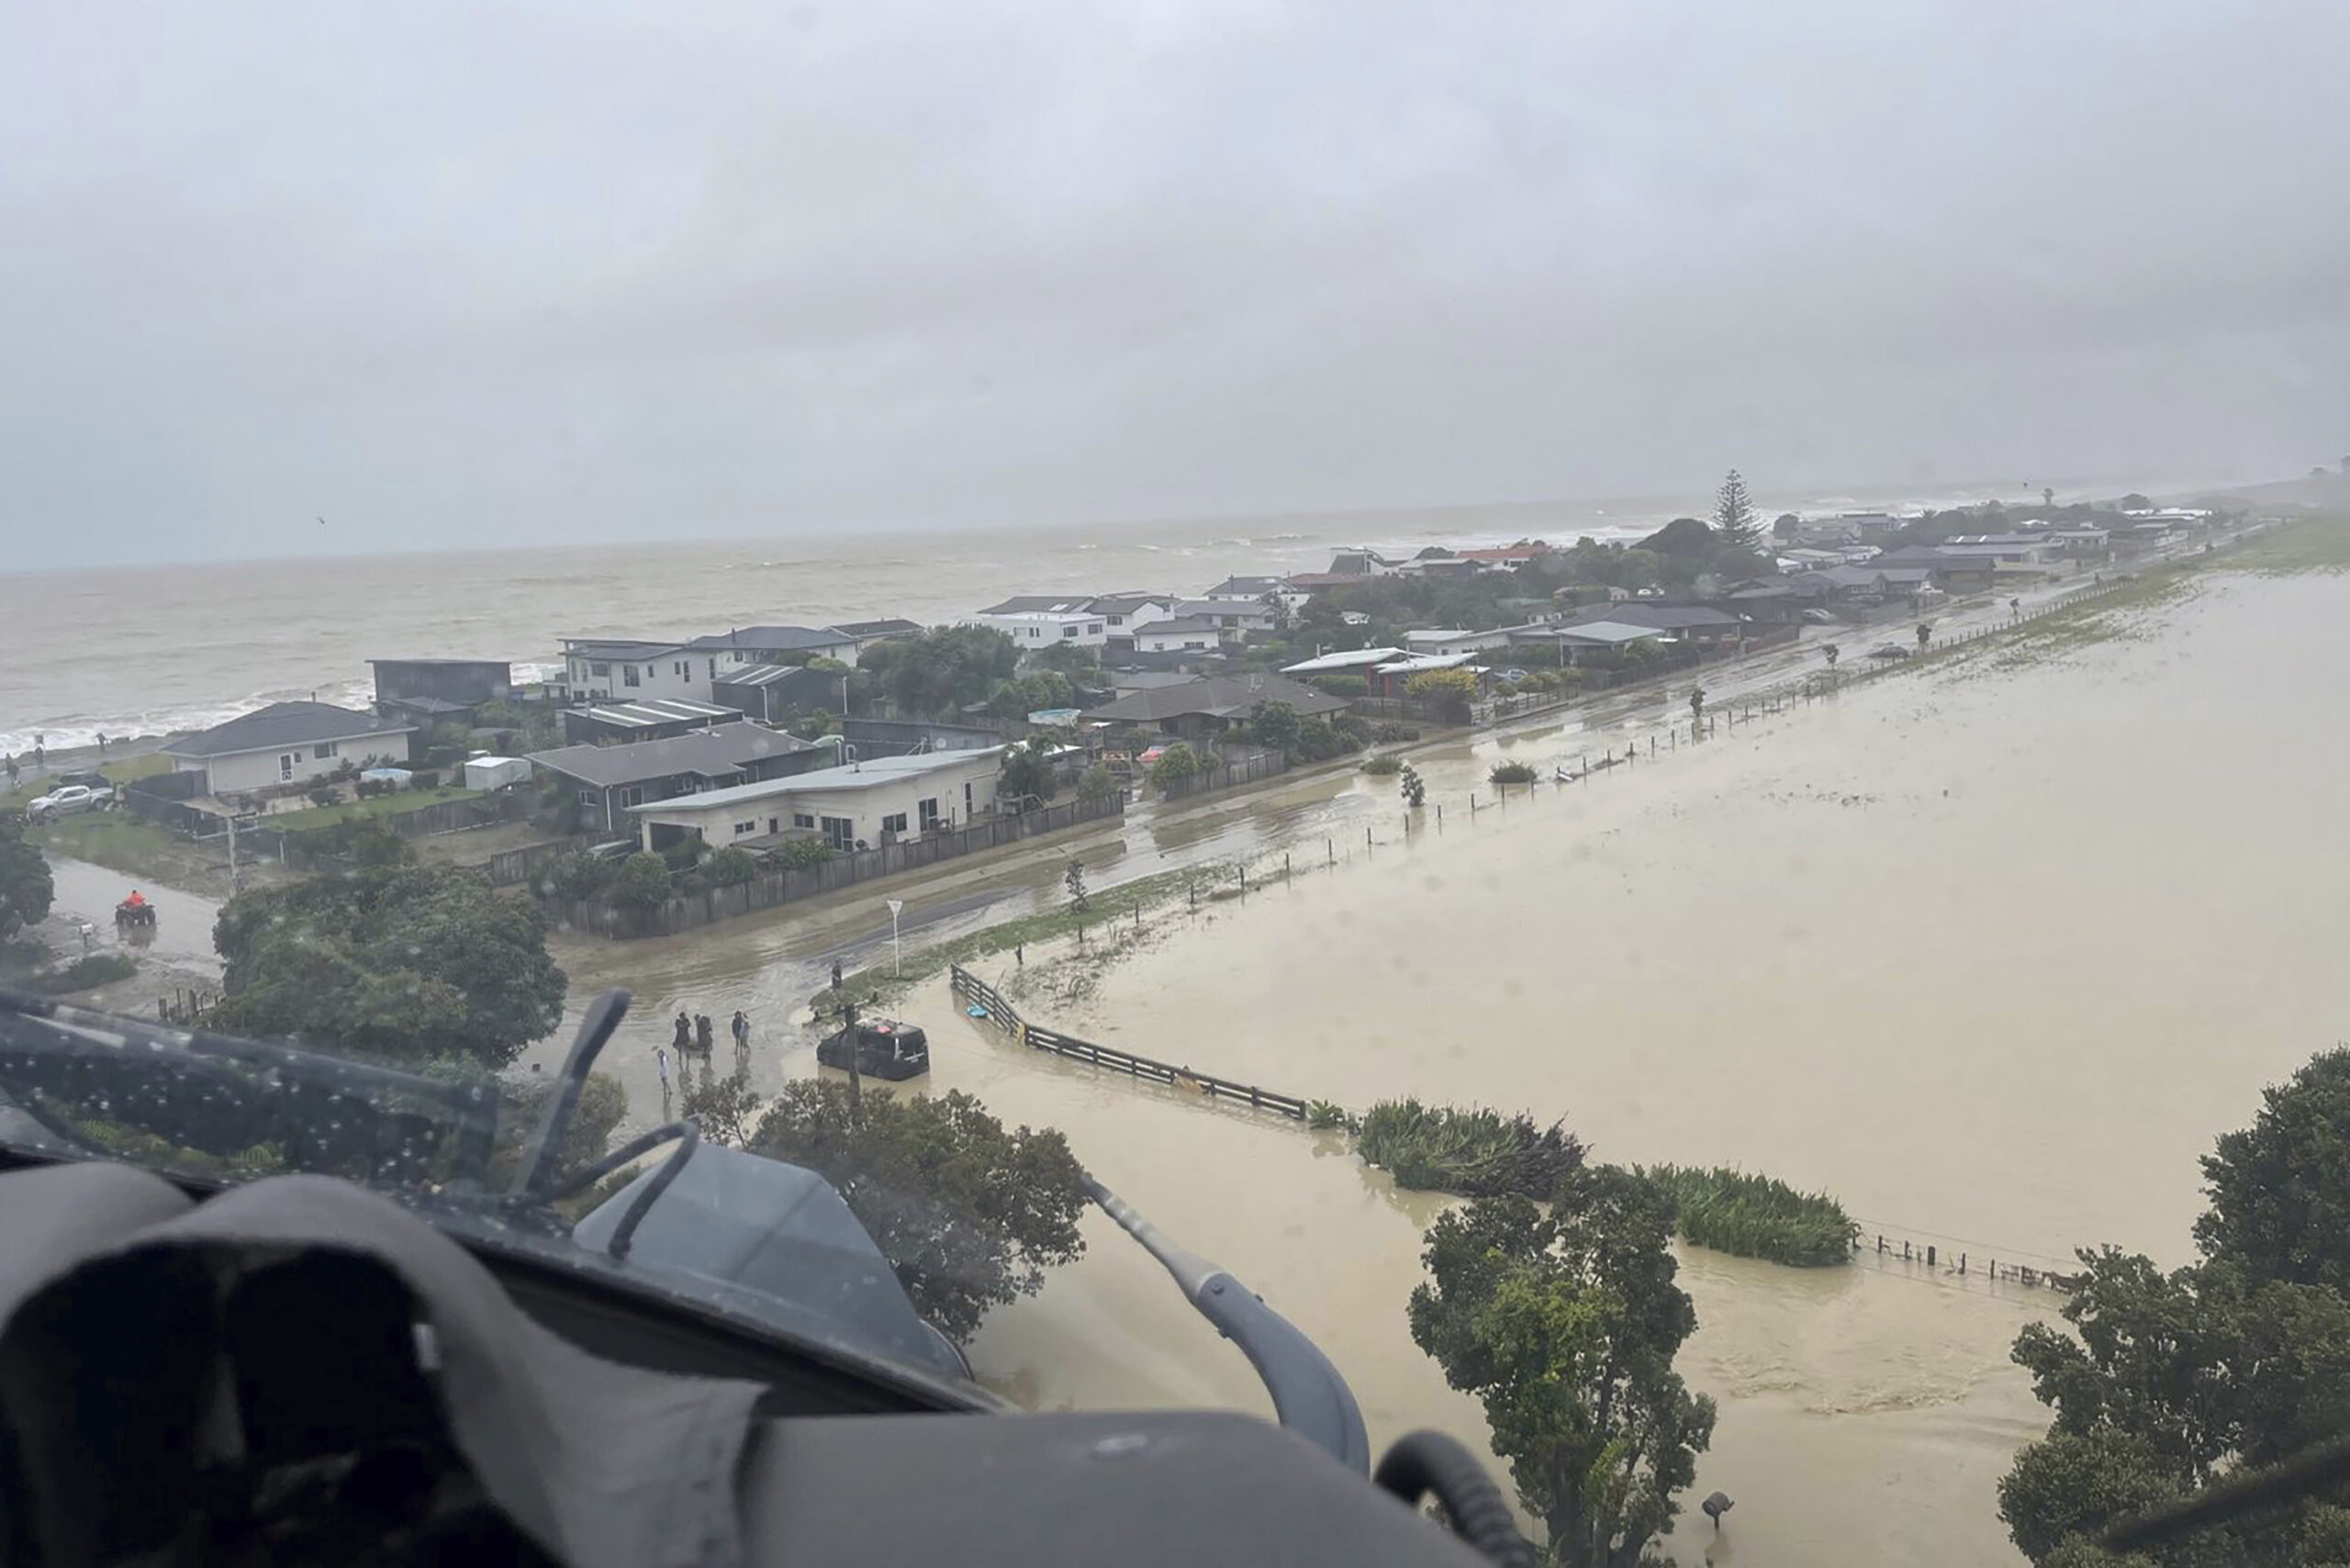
1820	618
1511	676
1889	650
65	801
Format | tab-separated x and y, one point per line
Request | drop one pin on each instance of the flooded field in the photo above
1990	953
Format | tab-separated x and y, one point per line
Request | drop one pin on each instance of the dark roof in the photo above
767	639
427	704
1041	604
1259	586
461	664
616	648
889	626
1927	556
1220	696
1664	617
1180	626
285	723
1126	603
728	748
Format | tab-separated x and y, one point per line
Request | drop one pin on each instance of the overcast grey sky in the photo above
457	275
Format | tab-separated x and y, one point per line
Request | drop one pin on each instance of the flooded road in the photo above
1992	955
182	937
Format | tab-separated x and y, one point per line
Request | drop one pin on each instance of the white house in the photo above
1189	633
869	802
286	742
1034	630
1347	661
746	645
625	669
1455	640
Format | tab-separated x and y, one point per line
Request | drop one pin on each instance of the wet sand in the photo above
1992	955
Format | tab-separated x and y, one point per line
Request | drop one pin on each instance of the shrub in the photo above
82	974
683	854
643	881
1322	1114
1097	783
1393	734
806	854
1386	764
1318	741
1177	765
576	874
323	796
1475	1153
731	867
1757	1216
1342	685
1512	773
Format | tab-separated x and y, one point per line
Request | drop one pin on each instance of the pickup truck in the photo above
66	800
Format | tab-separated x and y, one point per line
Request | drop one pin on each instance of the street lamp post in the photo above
896	906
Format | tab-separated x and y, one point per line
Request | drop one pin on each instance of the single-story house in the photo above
608	780
1392	678
650	719
1244	589
1951	571
1574	643
1207	707
1189	632
1125	680
767	693
1692	624
426	692
1232	616
1456	640
877	801
289	743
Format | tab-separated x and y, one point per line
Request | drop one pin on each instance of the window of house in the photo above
744	830
628	674
801	819
894	823
1069	630
285	764
321	752
775	824
713	669
840	831
968	809
603	669
928	812
587	797
632	796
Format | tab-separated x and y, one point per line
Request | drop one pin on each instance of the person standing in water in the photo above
685	1037
741	1029
702	1033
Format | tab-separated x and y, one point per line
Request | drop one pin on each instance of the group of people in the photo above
695	1036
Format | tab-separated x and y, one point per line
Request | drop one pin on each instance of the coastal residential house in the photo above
626	669
288	743
1122	613
770	692
608	779
1950	570
850	805
1201	709
1235	618
1580	641
865	633
745	647
1188	633
1456	640
435	691
1392	678
1244	589
650	719
1346	661
1036	621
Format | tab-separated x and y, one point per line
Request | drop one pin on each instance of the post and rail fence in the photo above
1001	1013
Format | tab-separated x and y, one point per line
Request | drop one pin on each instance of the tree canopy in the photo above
968	1213
406	962
1736	525
943	668
1565	1326
2172	1380
1028	770
25	889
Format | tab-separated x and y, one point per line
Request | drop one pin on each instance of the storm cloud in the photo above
453	275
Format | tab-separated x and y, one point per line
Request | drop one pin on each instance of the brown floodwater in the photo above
1990	953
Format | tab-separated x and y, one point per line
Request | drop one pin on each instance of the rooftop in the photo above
1219	696
1413	664
284	724
768	639
888	626
648	712
1610	632
1042	604
822	780
1349	658
711	753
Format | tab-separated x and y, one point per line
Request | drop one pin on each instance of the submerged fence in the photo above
1000	1012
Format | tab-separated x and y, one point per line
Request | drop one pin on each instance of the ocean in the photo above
132	651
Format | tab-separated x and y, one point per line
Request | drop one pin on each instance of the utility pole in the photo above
236	882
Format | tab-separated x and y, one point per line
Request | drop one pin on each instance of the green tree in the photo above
726	1109
26	888
1178	765
1069	660
968	1213
1736	526
1565	1325
2280	1188
1097	783
1028	770
730	866
1274	725
643	881
1073	878
944	668
409	963
1413	788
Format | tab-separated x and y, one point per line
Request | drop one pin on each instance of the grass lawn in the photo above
121	772
392	805
124	843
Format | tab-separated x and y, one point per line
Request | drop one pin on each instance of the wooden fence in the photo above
1001	1013
684	911
1223	768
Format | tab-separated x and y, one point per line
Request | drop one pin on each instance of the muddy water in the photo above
1991	954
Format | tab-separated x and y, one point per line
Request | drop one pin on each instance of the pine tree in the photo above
1735	523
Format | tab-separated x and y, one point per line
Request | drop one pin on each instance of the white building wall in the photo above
1036	631
675	673
1149	640
865	809
241	771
